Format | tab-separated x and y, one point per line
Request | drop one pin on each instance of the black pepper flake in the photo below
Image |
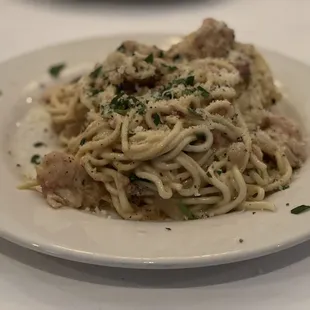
18	165
83	182
253	213
241	240
209	175
168	228
1	93
39	144
83	141
287	204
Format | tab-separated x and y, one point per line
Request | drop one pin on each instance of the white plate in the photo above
27	220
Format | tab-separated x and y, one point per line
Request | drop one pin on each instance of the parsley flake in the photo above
156	119
203	92
83	141
186	212
194	112
300	209
284	187
94	74
161	54
35	159
149	59
55	70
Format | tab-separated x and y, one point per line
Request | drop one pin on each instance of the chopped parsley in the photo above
83	141
209	174
94	74
170	68
39	144
284	187
188	81
203	92
161	54
186	212
156	119
194	112
188	91
300	209
219	171
35	159
149	59
55	70
122	104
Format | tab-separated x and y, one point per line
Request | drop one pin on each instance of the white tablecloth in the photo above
33	281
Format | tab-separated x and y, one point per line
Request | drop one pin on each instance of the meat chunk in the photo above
64	182
212	39
258	89
215	39
286	134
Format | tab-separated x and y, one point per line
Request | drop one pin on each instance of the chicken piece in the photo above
212	39
236	154
215	39
288	136
258	89
65	183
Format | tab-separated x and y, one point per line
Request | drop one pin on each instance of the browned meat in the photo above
258	83
236	154
286	134
64	182
215	39
212	39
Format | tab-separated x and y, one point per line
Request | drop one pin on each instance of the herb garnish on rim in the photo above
300	209
35	159
56	69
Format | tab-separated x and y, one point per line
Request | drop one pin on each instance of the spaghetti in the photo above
153	136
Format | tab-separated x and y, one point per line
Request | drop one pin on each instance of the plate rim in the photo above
129	262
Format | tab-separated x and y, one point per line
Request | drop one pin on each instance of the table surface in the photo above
33	281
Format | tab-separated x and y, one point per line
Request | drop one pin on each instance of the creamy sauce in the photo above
33	136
